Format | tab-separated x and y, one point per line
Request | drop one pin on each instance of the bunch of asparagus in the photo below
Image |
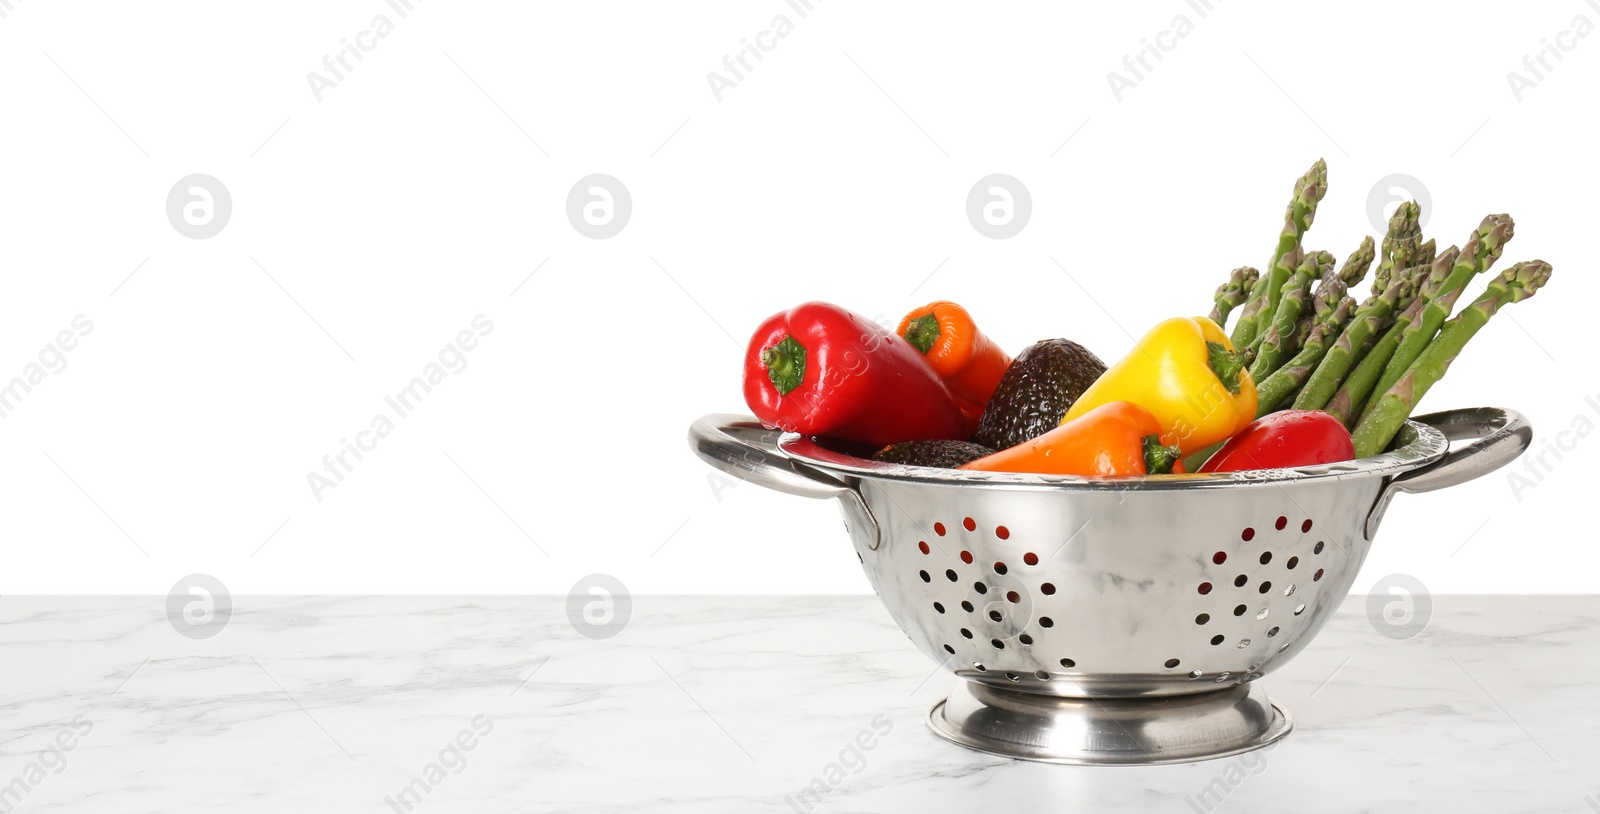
1312	347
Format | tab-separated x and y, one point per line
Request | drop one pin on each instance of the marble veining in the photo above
731	704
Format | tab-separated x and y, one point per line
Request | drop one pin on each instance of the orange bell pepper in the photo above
1115	439
967	361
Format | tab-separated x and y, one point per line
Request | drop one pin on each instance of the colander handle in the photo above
1498	436
741	447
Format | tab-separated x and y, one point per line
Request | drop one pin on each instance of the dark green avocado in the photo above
946	454
1036	391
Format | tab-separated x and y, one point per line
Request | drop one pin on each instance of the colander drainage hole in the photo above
998	645
922	545
1047	589
1239	581
1205	588
966	557
966	634
980	587
1272	632
1293	561
1243	643
1202	618
1002	532
1266	557
950	574
1239	610
1261	614
1282	521
994	616
1026	640
999	568
1247	535
1299	609
925	577
1045	621
1041	675
1317	549
1171	663
968	524
1030	558
966	606
979	667
1289	591
1305	528
1217	639
938	528
1013	676
950	650
1194	674
938	607
1013	597
1222	677
1317	577
1284	647
1068	663
1266	586
1219	558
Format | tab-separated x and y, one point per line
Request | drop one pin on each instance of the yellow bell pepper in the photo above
1186	373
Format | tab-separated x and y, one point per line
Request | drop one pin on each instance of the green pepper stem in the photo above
786	364
1226	364
923	332
1158	457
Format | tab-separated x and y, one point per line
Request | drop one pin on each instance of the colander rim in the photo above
1416	445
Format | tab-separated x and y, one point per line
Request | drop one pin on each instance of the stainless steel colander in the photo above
1113	621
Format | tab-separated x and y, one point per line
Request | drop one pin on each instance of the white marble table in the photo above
730	704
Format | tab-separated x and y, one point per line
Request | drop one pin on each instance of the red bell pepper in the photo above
818	369
1283	439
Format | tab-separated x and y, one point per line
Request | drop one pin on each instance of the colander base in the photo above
1109	731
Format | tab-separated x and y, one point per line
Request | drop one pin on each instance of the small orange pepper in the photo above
969	363
1119	438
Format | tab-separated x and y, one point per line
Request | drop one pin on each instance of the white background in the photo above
370	227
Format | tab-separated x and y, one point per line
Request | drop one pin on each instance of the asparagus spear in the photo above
1418	276
1479	253
1265	294
1333	287
1391	409
1337	361
1274	344
1278	387
1232	294
1403	232
1329	292
1425	254
1358	263
1347	402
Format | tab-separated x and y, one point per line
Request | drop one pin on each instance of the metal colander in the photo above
1113	620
